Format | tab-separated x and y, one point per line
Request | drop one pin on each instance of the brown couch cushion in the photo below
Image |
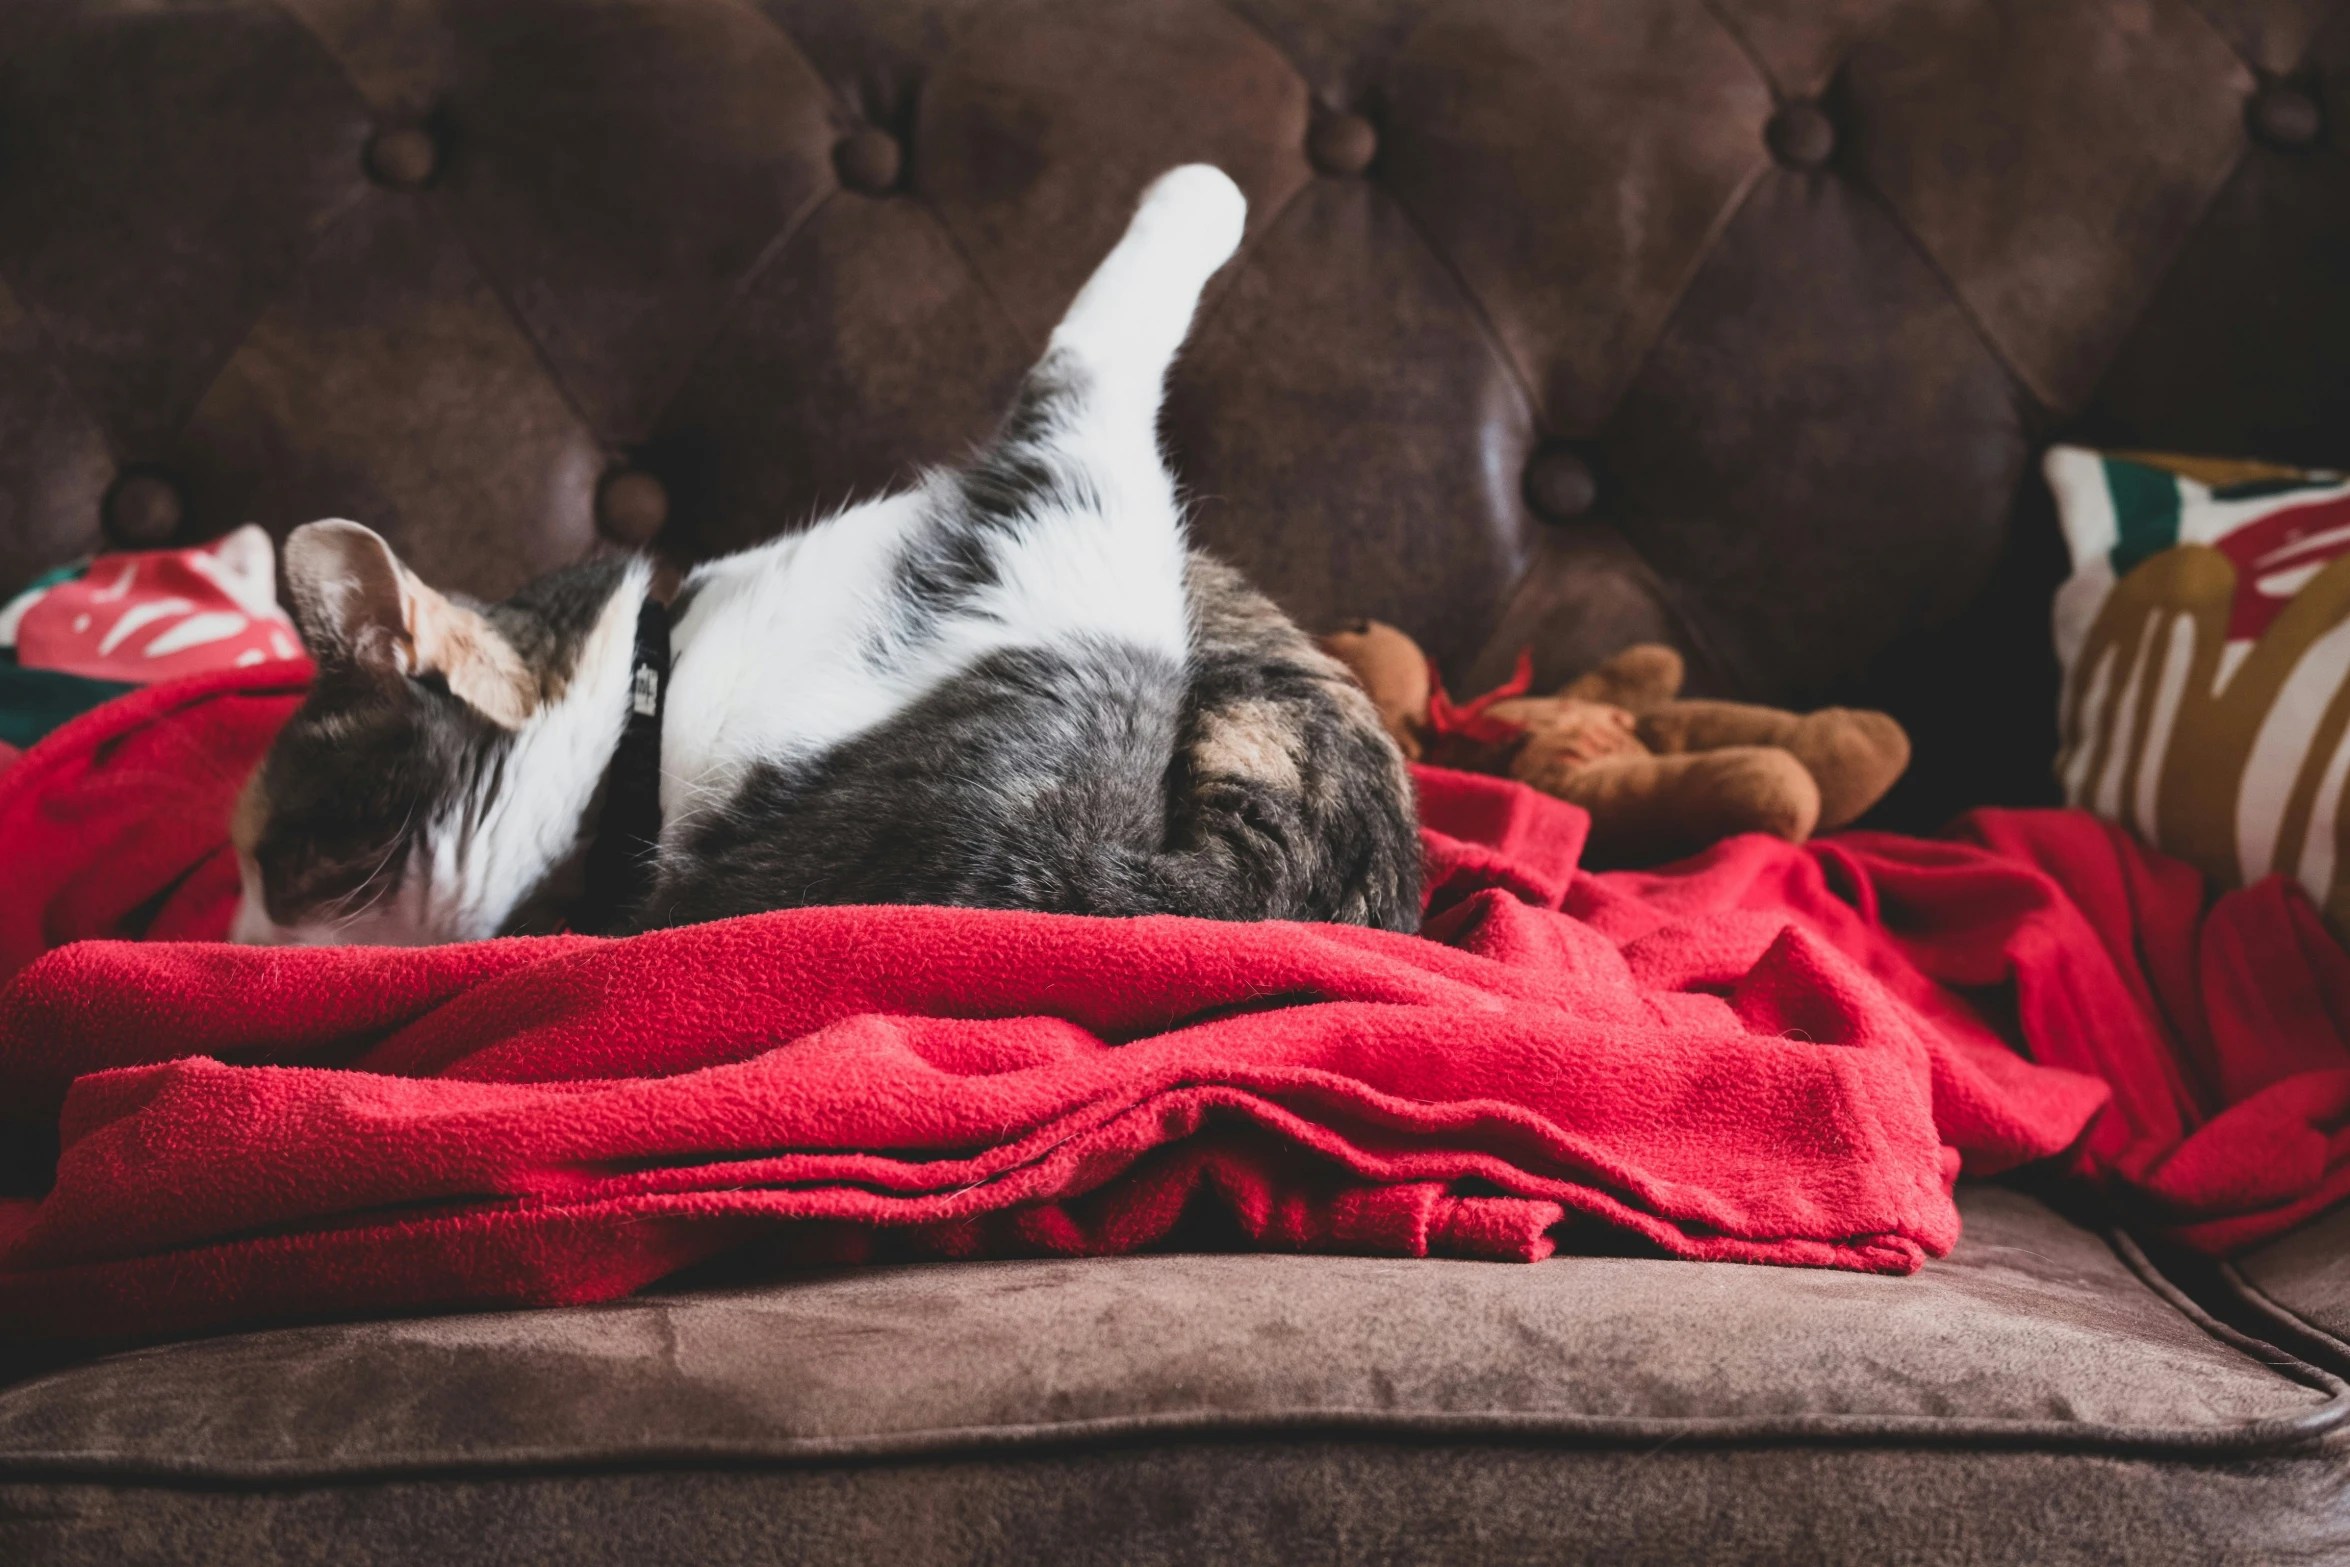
825	1394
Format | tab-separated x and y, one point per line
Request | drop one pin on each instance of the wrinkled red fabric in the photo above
116	823
1765	1054
2222	1026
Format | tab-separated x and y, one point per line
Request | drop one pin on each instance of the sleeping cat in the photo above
1010	686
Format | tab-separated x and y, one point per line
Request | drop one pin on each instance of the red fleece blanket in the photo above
1766	1054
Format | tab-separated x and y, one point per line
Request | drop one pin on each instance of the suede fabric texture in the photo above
1730	323
2031	1397
1298	1503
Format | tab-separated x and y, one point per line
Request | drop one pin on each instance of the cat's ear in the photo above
361	610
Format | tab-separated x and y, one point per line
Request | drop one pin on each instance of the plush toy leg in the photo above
1708	726
1640	676
1854	755
1648	809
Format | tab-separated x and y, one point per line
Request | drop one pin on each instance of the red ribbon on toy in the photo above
1464	734
1469	720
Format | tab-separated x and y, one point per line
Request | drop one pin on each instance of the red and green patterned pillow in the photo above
86	633
2205	640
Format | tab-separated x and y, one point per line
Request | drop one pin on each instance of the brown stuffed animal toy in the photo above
1661	777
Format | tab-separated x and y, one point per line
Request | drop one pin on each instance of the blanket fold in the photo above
1766	1054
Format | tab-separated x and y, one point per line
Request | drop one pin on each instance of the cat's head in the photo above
441	768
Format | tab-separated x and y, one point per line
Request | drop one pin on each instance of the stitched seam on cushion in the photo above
1668	596
807	60
1396	42
1529	398
979	280
2290	1318
2235	167
1494	343
2317	36
2043	397
2274	1434
1854	45
1858	177
514	316
770	253
2225	42
768	256
325	232
1376	87
481	269
1746	47
51	361
913	119
2260	1435
1634	362
1748	183
1672	592
329	223
1232	265
2324	1418
2040	406
783	236
489	280
440	214
2218	187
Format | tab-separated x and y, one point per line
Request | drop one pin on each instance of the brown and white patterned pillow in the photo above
2205	639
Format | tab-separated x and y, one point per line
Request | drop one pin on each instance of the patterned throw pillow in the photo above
87	633
2205	640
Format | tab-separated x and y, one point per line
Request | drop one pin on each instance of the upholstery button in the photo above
1559	485
1801	136
402	157
141	511
631	506
869	161
1342	144
2284	115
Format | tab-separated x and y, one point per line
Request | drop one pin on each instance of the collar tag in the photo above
628	830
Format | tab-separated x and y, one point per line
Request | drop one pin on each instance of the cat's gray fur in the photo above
1254	783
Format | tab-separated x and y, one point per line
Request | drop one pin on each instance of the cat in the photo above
1013	685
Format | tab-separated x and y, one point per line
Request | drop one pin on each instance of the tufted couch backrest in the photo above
1560	322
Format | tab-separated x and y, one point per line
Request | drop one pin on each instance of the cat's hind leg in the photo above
1131	316
1066	526
1083	431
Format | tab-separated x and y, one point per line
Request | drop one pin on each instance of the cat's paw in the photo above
1196	209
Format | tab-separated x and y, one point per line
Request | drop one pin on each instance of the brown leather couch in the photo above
1735	323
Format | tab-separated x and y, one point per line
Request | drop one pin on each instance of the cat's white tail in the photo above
1127	322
